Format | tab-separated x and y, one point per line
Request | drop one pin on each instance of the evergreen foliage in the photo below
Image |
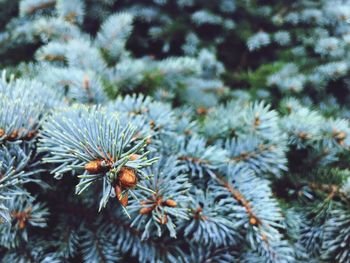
174	131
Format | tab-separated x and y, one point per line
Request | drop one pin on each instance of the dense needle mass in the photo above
174	131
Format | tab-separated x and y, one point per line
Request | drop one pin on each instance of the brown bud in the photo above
71	17
118	191
149	141
146	210
86	82
30	135
95	166
13	136
188	132
22	224
152	124
257	121
2	132
340	135
202	111
127	177
253	220
22	217
134	157
124	199
198	214
53	58
164	220
170	203
303	135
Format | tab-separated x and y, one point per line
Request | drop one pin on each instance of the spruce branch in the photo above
167	205
92	143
